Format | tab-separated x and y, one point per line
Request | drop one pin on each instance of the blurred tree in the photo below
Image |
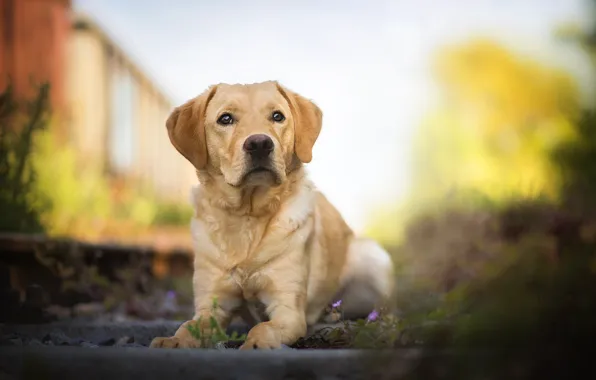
20	122
585	36
511	278
500	116
489	140
577	159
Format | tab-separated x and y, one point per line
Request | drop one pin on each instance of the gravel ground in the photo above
101	334
89	335
69	350
127	363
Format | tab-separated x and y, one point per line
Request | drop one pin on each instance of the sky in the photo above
365	63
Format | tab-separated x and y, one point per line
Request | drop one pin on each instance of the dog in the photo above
262	233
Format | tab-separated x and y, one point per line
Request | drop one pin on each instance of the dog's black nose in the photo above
258	146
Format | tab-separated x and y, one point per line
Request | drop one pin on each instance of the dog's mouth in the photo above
259	174
259	169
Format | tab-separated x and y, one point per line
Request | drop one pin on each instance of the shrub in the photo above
20	123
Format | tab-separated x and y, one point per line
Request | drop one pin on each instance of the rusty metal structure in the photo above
33	36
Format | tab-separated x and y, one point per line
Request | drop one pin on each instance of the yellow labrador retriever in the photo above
262	232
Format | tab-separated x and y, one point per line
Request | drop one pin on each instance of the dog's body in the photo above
261	230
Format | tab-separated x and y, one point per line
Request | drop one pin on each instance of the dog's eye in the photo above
278	116
225	119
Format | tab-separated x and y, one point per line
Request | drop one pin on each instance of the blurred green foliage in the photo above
498	111
84	202
577	159
79	199
172	214
19	124
577	164
498	251
46	187
490	137
214	334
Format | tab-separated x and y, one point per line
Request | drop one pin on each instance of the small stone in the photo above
35	342
124	340
107	342
58	338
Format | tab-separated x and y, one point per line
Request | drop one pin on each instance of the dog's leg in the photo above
368	281
209	285
286	323
183	338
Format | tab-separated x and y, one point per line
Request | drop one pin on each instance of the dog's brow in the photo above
231	107
273	106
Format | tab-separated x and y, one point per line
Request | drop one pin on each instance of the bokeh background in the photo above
413	95
452	130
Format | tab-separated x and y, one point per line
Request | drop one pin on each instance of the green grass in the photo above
215	334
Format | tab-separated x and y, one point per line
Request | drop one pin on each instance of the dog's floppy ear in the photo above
308	120
186	128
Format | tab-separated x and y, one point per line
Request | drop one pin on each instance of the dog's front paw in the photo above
174	342
262	336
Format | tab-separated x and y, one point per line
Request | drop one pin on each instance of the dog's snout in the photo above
258	146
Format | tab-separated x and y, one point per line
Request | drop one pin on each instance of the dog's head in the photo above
253	135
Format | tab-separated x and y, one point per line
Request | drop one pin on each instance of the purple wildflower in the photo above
336	304
372	316
171	294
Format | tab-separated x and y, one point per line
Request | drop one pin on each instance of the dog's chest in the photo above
237	238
